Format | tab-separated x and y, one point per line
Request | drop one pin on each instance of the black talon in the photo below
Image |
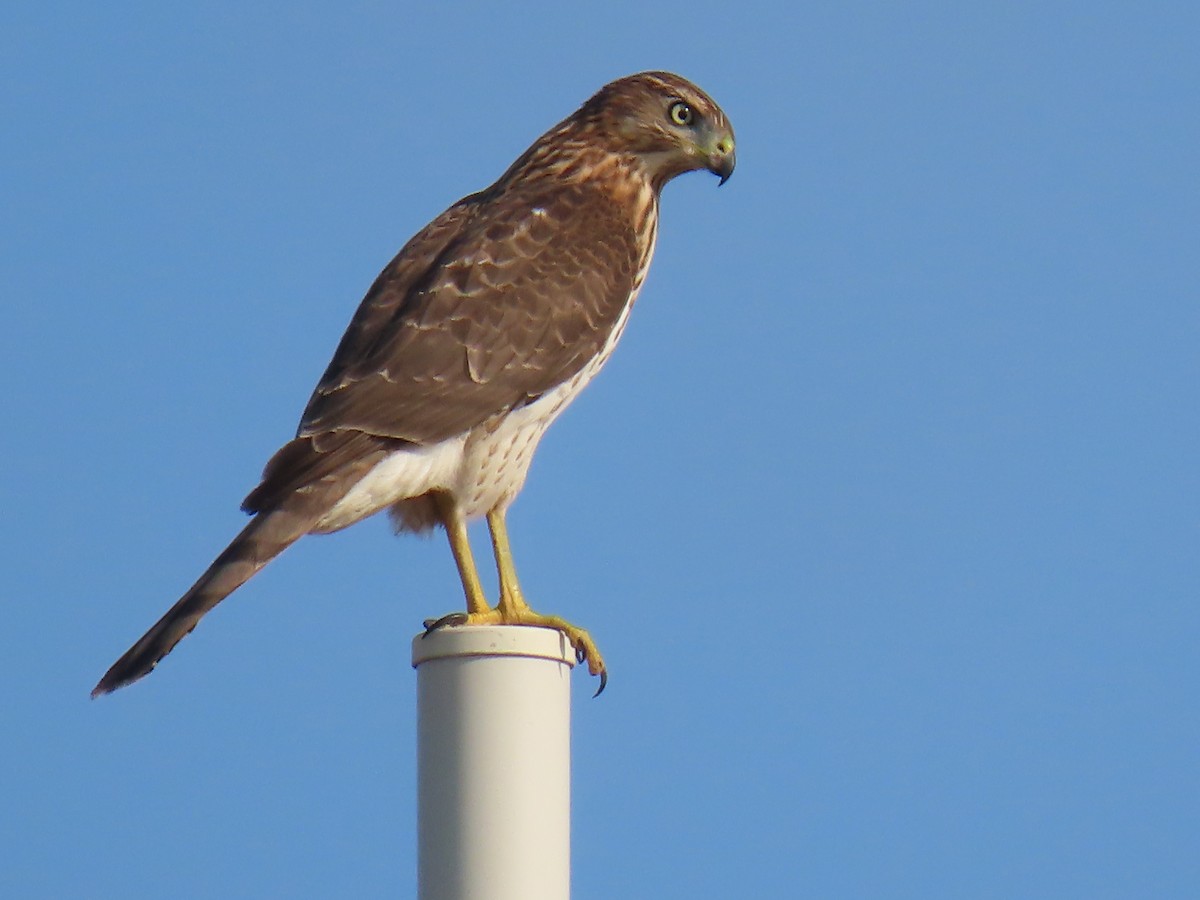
603	684
432	625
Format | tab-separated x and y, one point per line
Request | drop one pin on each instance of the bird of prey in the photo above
467	346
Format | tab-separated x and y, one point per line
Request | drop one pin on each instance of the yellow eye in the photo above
681	113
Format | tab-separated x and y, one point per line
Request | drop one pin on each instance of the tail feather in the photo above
294	511
264	538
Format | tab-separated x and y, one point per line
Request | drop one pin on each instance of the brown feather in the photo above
516	303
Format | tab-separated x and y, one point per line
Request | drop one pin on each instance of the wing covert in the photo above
498	300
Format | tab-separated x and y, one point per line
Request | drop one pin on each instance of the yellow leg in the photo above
513	610
460	546
512	602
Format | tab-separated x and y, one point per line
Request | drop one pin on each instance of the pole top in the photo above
459	641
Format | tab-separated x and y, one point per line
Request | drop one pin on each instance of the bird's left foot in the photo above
585	648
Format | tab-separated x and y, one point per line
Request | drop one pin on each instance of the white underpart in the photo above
496	461
397	476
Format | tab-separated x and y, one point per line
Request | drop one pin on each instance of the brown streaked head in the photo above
664	120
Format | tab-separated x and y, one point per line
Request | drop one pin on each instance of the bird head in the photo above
668	123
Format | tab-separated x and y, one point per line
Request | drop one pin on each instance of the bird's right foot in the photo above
585	648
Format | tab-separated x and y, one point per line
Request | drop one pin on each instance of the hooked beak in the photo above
722	157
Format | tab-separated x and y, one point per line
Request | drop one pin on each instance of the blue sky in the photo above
884	514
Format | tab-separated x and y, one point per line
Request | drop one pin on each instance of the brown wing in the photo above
381	306
517	299
314	456
501	298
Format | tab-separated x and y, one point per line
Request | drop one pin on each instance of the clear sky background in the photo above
886	513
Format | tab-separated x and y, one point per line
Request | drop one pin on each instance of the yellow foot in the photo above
585	647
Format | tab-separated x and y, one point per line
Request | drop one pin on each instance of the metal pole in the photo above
493	763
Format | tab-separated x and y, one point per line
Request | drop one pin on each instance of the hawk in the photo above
467	346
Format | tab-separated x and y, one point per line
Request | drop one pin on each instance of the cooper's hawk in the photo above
468	345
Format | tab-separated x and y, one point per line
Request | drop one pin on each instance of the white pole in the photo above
493	763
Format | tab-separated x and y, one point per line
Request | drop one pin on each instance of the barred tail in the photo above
267	535
304	481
